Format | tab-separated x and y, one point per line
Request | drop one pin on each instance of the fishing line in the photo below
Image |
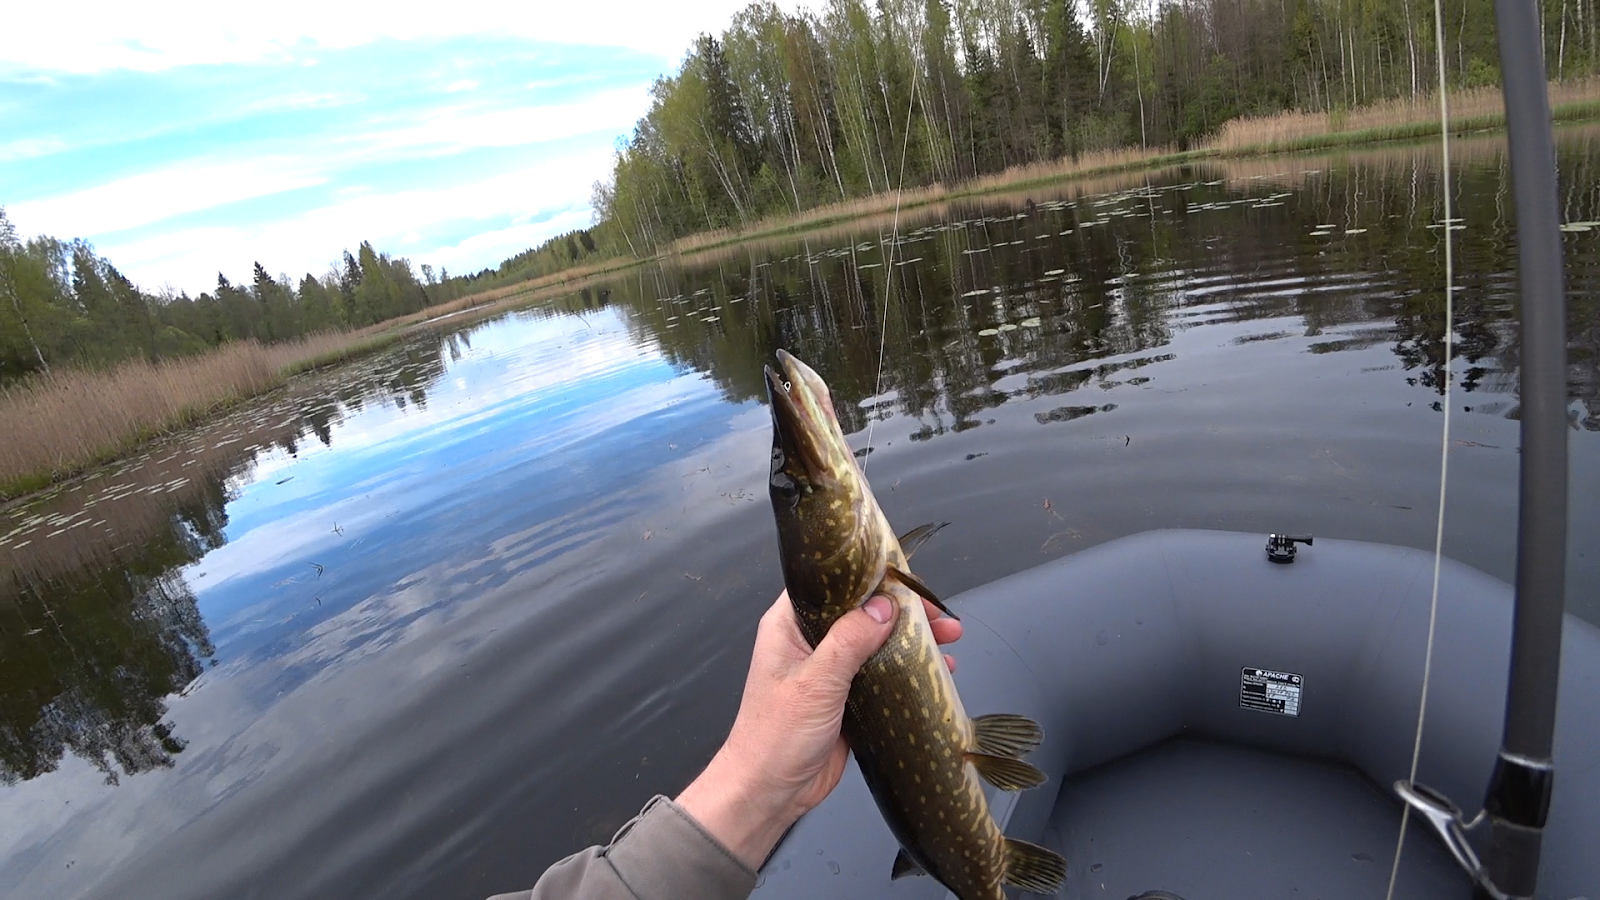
888	278
1444	444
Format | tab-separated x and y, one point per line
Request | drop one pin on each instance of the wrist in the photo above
730	800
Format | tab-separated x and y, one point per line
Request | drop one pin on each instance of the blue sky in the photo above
184	139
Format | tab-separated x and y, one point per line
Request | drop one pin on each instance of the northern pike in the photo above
918	751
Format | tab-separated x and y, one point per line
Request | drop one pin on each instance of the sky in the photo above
184	139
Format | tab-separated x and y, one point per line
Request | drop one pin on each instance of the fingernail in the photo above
879	609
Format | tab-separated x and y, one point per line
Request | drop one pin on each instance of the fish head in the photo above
830	532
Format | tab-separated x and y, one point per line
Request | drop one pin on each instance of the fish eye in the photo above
784	485
787	387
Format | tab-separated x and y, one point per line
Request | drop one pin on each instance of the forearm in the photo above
742	814
661	854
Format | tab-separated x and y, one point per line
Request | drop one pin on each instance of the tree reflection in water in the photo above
1070	290
98	625
1034	286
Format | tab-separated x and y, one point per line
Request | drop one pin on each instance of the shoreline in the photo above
249	370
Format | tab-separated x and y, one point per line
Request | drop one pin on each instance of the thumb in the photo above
853	638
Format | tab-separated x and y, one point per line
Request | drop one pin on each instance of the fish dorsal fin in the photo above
916	537
1006	773
904	865
923	591
1033	868
1003	734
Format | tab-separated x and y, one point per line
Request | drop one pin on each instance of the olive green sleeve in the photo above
661	854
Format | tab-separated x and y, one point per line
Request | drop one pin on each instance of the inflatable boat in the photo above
1219	725
1232	716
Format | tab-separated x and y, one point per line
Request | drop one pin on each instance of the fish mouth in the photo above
804	426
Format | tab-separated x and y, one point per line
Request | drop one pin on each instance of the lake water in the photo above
420	626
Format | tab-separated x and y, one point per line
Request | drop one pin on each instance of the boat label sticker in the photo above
1269	691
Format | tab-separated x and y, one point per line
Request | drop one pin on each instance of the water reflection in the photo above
1350	252
424	624
98	619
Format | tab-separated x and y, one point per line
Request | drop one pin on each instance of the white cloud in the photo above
27	148
308	242
425	223
112	34
301	100
455	129
152	196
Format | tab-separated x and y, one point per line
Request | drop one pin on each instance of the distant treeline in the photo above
62	304
785	112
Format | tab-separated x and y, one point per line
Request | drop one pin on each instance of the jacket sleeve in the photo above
660	854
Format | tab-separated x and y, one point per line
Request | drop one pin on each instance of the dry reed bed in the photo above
62	423
915	198
1472	108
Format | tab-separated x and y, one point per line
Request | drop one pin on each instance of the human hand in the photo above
785	753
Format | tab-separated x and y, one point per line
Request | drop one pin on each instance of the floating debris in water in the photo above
1030	322
1574	227
978	293
1355	231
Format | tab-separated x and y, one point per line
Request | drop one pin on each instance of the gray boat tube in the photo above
1217	725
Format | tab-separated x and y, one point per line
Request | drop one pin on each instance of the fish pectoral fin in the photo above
922	590
1006	773
1033	868
916	537
1003	734
904	865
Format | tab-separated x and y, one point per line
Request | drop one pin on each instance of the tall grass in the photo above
1475	108
1087	164
62	423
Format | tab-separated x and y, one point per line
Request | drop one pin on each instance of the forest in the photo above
63	304
783	112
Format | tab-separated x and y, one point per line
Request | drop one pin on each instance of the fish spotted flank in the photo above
919	752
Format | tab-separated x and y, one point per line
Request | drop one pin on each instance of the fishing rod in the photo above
1517	802
889	267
